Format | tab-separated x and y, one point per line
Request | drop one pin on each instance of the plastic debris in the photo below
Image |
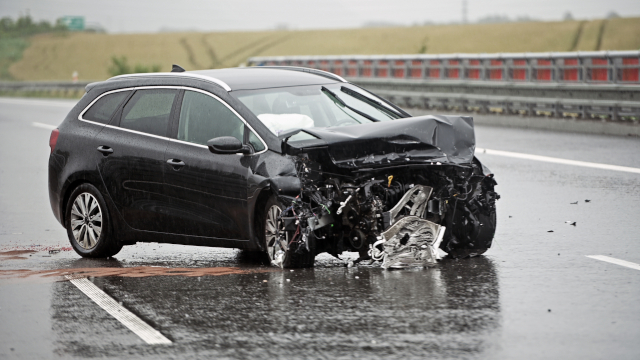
570	222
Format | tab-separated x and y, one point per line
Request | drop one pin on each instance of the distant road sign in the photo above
74	23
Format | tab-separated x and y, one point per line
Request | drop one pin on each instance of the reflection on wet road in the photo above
452	310
534	295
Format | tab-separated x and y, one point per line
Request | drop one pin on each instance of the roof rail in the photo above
175	74
323	73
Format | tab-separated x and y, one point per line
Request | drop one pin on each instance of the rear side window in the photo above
103	109
203	118
148	111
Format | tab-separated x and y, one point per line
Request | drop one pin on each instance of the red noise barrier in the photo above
602	67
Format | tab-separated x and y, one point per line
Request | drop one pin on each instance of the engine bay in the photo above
395	216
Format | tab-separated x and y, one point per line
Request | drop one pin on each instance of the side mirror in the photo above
228	145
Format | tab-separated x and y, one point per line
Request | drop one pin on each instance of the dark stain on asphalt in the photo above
138	271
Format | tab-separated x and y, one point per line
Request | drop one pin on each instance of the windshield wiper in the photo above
376	104
343	104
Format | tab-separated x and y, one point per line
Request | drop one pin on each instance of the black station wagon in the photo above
291	162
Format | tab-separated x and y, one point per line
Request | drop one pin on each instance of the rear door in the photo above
208	191
130	156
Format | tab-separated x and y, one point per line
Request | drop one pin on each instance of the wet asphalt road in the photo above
534	295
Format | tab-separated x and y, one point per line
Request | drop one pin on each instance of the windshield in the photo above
300	107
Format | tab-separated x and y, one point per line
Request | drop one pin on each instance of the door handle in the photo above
105	150
176	163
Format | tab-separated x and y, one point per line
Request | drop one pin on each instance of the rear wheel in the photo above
88	223
281	250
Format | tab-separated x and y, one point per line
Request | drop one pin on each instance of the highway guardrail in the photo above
603	84
596	67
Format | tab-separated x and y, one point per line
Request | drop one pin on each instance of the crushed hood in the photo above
420	139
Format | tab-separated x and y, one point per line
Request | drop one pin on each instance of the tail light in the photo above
53	139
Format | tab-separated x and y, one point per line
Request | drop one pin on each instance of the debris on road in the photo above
574	203
587	200
570	222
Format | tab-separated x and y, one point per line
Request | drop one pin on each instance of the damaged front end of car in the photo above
396	192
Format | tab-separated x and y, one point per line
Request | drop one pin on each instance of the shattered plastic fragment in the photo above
279	260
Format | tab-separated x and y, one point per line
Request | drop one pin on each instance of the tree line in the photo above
25	26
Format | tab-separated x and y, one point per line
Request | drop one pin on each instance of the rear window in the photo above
103	109
148	111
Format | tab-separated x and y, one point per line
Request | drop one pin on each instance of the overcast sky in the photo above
131	16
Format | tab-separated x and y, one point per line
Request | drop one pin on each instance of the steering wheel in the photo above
346	122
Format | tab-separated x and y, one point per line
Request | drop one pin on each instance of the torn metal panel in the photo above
411	242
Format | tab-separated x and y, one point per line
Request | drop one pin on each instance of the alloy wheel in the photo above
271	227
86	220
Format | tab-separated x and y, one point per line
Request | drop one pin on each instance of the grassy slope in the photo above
11	50
56	57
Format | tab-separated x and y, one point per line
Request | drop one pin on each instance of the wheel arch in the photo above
73	183
258	208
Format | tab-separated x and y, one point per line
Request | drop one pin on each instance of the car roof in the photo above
250	78
268	77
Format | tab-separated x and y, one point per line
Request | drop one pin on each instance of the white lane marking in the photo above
126	317
20	101
558	160
44	126
615	261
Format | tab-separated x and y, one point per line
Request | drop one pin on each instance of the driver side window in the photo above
203	118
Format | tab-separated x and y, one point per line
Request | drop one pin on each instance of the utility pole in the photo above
464	11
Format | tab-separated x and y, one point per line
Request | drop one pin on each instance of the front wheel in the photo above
88	223
471	224
278	242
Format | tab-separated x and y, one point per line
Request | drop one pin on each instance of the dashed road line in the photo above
44	126
558	160
126	317
615	261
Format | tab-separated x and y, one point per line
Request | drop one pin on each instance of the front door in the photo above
208	191
131	157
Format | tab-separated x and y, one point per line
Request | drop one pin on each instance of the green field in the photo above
56	57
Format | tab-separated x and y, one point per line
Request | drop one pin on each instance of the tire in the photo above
89	225
268	228
464	239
